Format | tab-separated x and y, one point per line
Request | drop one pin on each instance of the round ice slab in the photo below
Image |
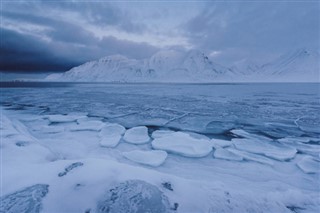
273	150
111	134
309	165
218	143
150	158
161	133
137	135
183	144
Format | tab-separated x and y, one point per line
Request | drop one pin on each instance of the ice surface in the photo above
134	196
63	118
87	126
137	135
161	133
251	156
226	155
217	143
34	150
183	144
27	200
243	133
273	150
309	165
151	158
111	134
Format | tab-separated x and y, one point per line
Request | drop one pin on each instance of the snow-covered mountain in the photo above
301	65
164	66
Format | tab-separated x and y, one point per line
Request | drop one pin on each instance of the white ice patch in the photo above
161	133
151	158
137	135
273	150
183	144
226	155
309	165
245	134
63	118
87	126
217	143
110	135
252	157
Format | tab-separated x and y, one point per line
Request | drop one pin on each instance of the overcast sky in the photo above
57	35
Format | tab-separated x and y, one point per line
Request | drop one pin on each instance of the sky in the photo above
54	36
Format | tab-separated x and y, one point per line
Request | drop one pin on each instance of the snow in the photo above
151	158
137	135
309	165
183	144
111	134
226	155
195	66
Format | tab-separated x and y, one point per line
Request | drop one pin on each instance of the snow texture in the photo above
134	196
151	158
226	155
28	200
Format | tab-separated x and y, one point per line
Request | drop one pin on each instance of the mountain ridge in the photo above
194	67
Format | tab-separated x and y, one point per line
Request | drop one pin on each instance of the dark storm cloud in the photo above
26	53
61	44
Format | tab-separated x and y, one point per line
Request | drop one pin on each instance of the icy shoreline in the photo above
35	149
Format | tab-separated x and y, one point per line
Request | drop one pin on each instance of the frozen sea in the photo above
160	147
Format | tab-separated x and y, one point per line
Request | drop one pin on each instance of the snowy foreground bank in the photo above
74	163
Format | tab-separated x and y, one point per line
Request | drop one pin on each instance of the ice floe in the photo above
309	165
111	134
217	143
273	150
161	133
151	158
183	144
251	157
244	134
137	135
63	118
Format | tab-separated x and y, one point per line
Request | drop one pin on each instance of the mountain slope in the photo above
164	66
194	66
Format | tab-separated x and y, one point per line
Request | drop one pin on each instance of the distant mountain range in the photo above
194	66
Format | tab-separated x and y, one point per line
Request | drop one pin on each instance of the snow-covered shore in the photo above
66	164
